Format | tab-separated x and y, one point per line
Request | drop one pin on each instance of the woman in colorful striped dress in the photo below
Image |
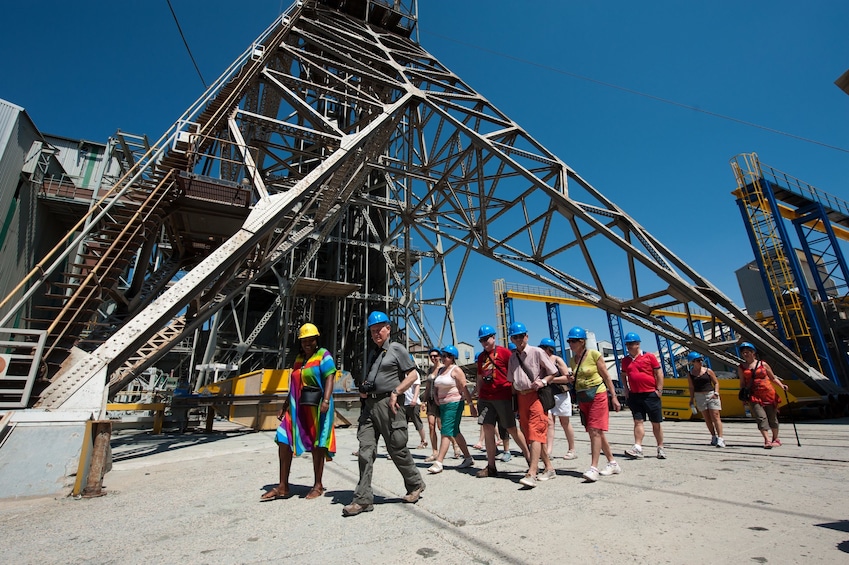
306	422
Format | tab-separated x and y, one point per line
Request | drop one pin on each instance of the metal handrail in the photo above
44	268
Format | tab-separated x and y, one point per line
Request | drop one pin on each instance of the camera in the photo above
367	387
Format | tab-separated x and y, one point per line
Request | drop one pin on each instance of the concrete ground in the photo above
194	498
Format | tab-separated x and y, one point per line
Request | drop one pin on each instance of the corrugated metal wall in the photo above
85	162
17	211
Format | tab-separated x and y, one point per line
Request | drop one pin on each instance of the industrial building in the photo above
294	189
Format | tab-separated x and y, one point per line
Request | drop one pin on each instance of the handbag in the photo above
745	393
311	396
586	395
546	397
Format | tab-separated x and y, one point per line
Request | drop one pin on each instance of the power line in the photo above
186	43
638	93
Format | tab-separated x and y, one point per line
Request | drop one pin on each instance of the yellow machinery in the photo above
676	398
257	415
253	399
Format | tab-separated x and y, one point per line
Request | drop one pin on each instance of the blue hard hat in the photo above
577	332
485	331
451	350
516	328
547	342
434	350
693	356
747	345
632	337
511	346
377	317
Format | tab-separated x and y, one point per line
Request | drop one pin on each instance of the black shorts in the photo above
496	412
644	404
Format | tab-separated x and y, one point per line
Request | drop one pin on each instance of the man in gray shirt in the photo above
390	371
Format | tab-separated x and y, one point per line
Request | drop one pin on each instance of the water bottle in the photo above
693	408
748	412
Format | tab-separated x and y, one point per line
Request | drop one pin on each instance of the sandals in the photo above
768	445
275	493
430	458
315	493
776	443
422	445
476	446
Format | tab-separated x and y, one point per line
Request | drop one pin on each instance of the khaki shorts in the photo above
708	401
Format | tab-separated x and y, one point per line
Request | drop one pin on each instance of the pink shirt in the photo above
446	386
537	363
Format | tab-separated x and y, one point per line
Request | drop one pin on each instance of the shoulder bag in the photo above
588	394
546	394
745	393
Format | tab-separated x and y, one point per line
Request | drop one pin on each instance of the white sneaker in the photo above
528	481
570	455
547	475
612	468
720	442
661	454
635	452
591	474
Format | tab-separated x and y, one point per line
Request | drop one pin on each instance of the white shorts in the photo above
562	405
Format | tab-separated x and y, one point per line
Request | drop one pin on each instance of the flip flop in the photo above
275	494
315	493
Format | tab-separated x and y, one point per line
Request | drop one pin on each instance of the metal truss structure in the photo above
810	317
337	152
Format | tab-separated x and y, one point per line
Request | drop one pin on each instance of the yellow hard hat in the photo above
308	330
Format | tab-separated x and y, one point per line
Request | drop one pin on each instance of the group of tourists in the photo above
509	384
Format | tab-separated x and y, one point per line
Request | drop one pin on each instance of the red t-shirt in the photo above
494	363
640	372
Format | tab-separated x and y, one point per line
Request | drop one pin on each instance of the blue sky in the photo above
86	69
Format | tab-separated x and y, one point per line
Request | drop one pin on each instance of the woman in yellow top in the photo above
591	385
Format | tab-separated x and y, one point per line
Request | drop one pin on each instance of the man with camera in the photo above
390	371
495	398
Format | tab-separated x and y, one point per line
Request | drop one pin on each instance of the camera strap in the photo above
492	361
